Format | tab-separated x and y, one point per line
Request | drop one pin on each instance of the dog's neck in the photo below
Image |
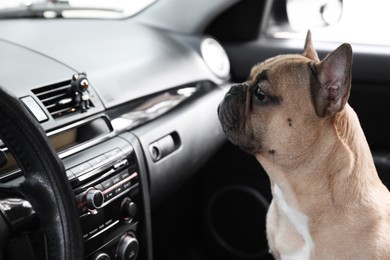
331	173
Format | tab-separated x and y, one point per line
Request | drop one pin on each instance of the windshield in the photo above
109	9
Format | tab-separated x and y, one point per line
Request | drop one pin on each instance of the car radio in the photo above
106	187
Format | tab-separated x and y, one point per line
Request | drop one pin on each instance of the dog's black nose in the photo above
235	89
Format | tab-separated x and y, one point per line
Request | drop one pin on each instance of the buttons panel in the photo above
96	162
101	184
110	188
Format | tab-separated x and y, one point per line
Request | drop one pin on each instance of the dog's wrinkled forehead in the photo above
260	68
276	64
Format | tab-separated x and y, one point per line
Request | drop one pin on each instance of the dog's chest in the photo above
292	239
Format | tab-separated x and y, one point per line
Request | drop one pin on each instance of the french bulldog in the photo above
292	114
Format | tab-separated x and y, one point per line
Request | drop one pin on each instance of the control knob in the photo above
127	247
129	209
94	199
102	256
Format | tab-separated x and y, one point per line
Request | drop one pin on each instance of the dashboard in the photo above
129	107
151	97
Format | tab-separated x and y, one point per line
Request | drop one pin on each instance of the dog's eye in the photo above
259	94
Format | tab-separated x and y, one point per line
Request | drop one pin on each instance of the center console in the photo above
107	186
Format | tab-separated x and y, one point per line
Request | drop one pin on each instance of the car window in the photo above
354	21
72	8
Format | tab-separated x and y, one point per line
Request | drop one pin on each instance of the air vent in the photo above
59	99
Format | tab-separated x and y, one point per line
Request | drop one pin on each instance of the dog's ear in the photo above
309	50
332	83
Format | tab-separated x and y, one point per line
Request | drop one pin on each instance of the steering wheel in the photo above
45	184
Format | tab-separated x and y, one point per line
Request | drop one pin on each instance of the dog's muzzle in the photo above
235	89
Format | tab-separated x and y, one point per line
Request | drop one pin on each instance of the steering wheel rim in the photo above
45	185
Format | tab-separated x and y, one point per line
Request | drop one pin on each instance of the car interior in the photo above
111	147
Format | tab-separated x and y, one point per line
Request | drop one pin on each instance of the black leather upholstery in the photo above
45	185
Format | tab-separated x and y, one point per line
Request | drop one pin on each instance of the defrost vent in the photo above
65	97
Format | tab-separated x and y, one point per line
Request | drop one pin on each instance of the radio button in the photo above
113	154
109	195
81	169
107	184
116	178
127	185
97	161
119	189
94	199
124	174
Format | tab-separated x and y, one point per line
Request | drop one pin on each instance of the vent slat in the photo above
50	90
61	111
52	86
52	95
54	99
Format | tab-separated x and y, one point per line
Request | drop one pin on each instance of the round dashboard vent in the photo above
215	57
